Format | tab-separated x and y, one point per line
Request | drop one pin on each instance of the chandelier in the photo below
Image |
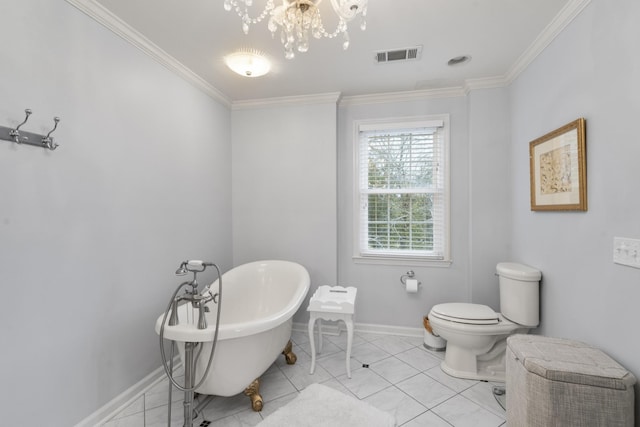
297	19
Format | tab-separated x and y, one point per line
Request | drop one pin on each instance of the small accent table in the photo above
331	303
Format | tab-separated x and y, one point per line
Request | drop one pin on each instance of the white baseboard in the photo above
334	328
124	399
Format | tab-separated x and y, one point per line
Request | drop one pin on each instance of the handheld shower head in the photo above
193	266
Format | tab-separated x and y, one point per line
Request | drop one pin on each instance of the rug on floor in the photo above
321	406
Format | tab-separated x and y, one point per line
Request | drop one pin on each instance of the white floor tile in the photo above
368	353
403	378
426	390
337	385
157	417
415	341
136	407
438	354
461	412
300	337
396	402
299	375
272	406
341	340
158	395
336	363
428	419
393	369
419	359
364	383
247	418
222	407
368	336
135	420
456	384
392	344
274	385
328	347
482	394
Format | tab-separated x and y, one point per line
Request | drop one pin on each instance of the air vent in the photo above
396	55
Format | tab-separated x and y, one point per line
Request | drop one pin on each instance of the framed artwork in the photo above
558	167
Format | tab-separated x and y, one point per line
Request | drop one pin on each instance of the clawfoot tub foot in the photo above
253	391
289	355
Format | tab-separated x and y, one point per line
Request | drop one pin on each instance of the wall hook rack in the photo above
23	137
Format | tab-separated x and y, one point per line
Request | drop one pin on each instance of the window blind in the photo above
402	190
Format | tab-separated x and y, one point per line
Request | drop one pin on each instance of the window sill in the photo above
382	260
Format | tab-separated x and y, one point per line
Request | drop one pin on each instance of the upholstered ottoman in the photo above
559	382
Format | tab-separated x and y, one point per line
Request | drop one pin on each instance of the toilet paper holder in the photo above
409	275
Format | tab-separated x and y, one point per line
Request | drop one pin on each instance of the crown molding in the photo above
544	39
412	95
321	98
484	83
104	17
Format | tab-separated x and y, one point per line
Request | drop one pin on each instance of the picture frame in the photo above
558	169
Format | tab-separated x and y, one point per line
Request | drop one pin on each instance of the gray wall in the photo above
90	234
479	210
489	190
591	70
284	187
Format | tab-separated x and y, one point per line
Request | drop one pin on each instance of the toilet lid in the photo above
466	313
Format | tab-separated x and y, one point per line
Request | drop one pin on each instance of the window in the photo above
402	198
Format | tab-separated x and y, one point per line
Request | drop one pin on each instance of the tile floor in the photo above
402	378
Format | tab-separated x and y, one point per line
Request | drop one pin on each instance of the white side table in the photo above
331	303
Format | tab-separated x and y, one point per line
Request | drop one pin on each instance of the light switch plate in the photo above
626	251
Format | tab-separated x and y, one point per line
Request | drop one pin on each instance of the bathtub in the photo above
259	300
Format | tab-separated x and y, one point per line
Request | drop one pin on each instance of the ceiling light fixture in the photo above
248	63
297	18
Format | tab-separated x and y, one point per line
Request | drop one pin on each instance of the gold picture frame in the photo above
558	168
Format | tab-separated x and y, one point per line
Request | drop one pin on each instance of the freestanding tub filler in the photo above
258	302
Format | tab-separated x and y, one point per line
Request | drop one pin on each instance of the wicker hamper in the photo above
559	382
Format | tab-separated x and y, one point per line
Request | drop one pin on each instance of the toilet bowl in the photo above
476	335
475	347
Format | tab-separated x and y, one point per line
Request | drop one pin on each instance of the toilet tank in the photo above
519	293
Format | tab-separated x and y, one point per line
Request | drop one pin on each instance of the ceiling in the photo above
193	36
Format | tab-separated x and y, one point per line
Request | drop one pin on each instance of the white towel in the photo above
321	406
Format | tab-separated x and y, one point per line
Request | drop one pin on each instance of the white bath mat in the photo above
321	406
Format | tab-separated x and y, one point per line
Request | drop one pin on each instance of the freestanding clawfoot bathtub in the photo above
259	300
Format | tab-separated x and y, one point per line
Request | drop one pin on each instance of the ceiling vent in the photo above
398	55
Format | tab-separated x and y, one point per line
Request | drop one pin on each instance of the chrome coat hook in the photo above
47	141
15	133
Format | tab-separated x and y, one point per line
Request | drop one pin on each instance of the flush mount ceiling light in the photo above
248	63
297	18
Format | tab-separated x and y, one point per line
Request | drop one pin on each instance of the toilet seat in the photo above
472	314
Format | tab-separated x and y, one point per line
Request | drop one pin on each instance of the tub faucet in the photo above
202	320
197	300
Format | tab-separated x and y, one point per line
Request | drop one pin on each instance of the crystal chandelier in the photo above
295	19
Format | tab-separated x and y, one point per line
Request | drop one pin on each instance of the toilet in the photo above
477	336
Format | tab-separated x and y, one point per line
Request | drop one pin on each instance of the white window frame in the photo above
359	207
